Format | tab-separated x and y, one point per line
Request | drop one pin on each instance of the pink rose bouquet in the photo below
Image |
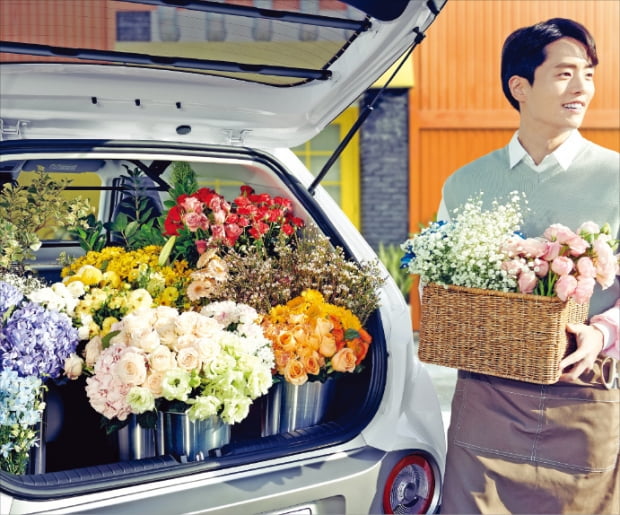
204	220
562	262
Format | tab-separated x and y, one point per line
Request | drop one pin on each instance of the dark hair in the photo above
524	50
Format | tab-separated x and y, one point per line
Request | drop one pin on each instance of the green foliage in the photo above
91	235
139	227
390	255
183	181
25	210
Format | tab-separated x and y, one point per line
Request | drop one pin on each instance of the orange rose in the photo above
344	360
338	332
323	326
365	336
286	341
295	373
359	348
281	359
312	362
327	346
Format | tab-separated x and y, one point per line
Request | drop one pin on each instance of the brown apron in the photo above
516	447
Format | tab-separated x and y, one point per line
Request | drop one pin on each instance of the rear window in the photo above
279	42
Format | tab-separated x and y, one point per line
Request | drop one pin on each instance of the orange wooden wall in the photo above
457	109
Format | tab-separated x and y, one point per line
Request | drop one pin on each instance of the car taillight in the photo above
410	486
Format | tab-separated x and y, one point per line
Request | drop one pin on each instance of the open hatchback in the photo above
119	97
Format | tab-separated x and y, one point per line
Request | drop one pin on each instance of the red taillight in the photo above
410	487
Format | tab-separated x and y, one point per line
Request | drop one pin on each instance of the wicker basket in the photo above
510	335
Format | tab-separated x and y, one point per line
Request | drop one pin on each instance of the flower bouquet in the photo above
313	343
212	362
204	220
495	302
36	343
313	340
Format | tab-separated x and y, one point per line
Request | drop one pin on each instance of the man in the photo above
516	447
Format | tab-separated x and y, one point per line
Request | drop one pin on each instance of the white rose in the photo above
189	358
154	382
161	359
138	323
183	341
131	367
208	349
76	289
186	322
148	342
73	366
92	351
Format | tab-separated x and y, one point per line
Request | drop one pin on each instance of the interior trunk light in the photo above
410	487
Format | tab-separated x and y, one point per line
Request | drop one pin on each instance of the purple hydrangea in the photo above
35	341
10	296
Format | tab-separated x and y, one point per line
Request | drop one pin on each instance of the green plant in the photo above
135	222
390	255
27	209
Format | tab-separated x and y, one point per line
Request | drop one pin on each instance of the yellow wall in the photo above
458	111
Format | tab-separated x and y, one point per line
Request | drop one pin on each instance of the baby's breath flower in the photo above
467	250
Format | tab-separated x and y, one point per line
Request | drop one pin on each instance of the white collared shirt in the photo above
564	155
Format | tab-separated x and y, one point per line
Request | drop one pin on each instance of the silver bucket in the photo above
135	442
289	407
190	441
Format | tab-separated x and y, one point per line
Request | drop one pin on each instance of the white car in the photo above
233	112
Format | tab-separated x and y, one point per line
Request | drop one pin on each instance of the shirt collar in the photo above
563	155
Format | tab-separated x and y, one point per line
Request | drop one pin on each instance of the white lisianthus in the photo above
203	407
235	409
176	385
140	400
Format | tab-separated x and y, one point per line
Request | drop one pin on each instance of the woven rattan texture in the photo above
510	335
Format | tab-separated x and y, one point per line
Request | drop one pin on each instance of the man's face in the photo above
562	90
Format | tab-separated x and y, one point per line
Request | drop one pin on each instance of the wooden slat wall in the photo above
28	15
457	109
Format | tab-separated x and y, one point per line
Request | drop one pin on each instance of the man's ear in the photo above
518	87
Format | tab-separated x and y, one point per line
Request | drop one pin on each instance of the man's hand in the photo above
589	345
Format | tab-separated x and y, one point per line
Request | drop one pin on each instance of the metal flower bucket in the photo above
187	440
135	442
288	407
